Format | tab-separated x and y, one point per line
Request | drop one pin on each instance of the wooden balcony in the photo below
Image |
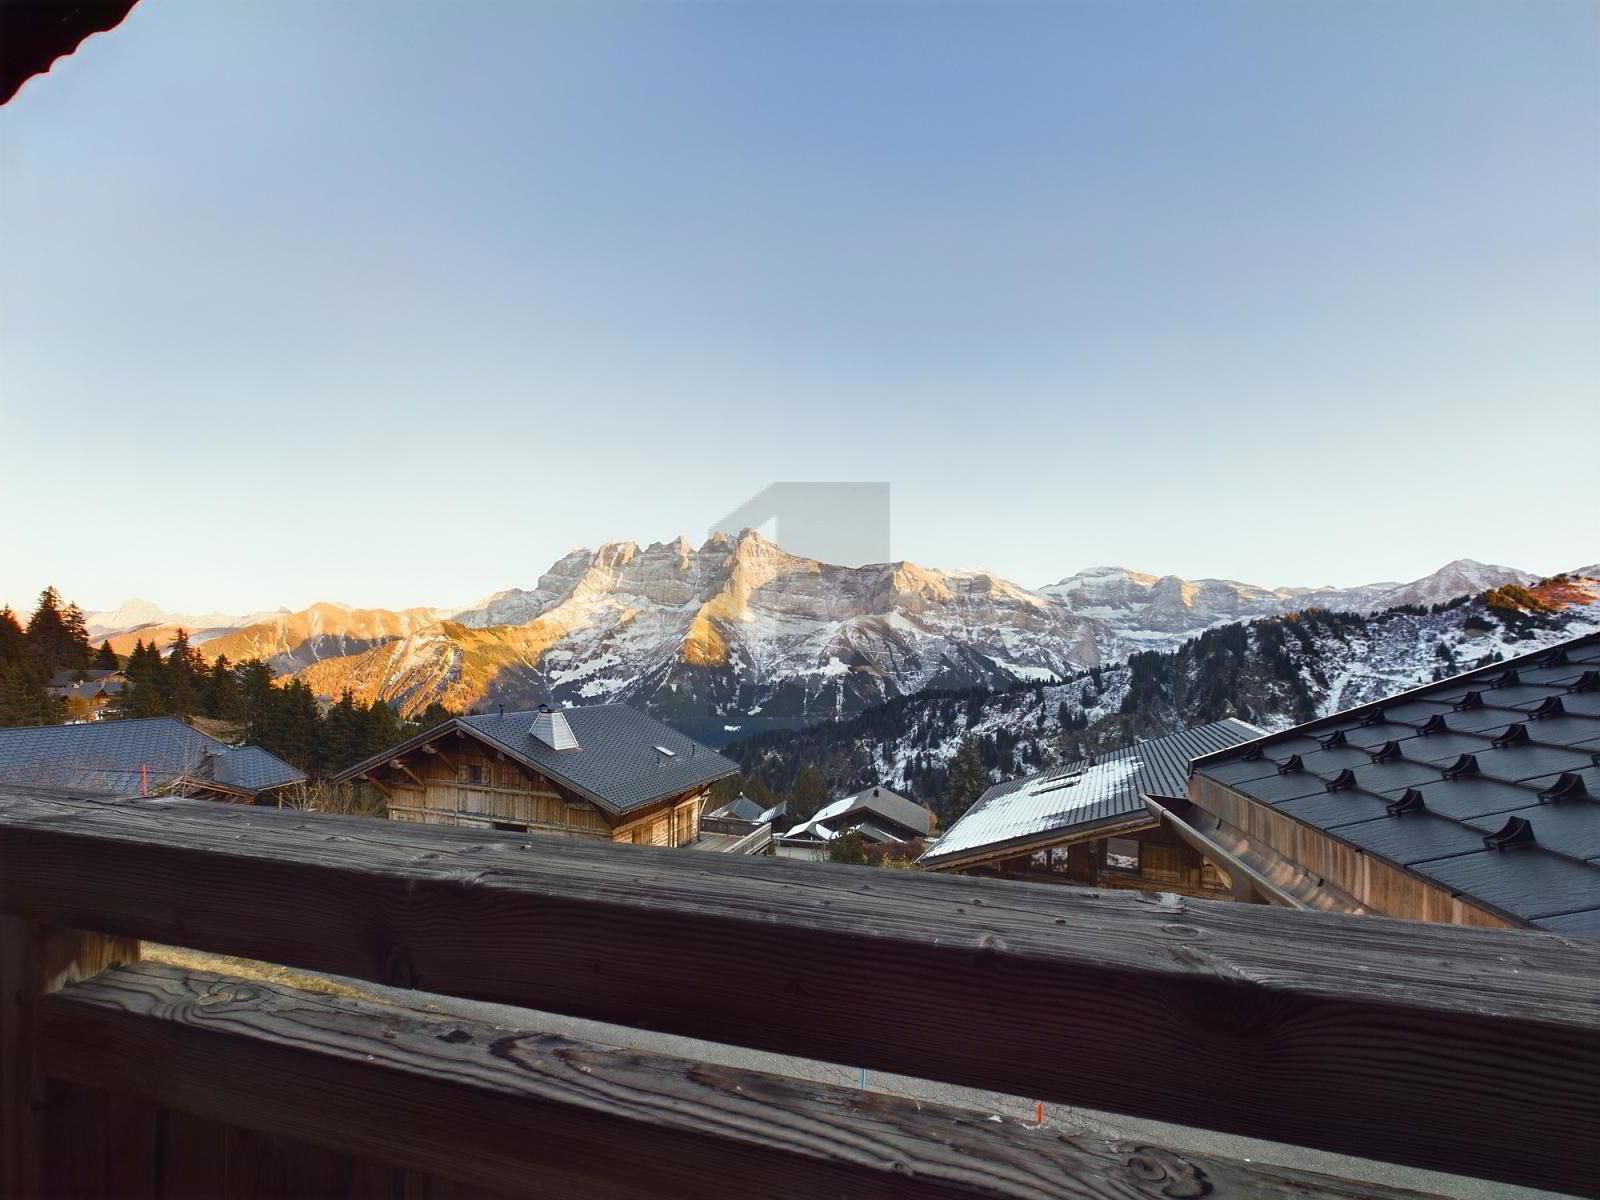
1472	1051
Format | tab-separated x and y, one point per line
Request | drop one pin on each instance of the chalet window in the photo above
1212	878
1122	854
1163	863
1043	862
640	836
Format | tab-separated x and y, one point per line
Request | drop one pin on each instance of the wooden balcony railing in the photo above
1463	1050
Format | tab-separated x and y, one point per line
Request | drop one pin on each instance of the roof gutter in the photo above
1309	892
1208	847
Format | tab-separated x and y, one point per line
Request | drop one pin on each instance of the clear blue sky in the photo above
394	302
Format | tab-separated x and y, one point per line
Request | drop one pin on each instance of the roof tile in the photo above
1488	765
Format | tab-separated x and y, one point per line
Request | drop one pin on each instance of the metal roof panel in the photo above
1084	793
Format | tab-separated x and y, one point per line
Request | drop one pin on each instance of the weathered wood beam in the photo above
1466	1050
400	764
36	959
372	778
446	759
531	1114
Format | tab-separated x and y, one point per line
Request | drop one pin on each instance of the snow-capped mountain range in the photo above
1274	673
1152	609
737	633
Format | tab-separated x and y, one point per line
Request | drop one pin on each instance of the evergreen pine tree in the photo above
105	658
13	642
25	698
181	677
47	631
220	692
966	782
297	727
257	697
75	649
142	697
434	714
340	742
378	729
810	793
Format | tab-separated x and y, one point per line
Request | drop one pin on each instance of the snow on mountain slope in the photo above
1464	577
738	628
1150	611
137	614
1147	607
737	625
1273	672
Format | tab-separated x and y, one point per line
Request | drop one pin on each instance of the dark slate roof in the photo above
1487	784
1105	789
880	802
740	808
616	765
106	756
253	769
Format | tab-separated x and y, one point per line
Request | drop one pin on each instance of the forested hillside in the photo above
1274	672
243	702
53	639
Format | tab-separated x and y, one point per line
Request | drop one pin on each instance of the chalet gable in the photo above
609	754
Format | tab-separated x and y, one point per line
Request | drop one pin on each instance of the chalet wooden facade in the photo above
605	772
1093	822
1144	856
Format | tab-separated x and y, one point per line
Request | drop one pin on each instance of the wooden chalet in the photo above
88	694
1474	800
606	771
880	816
1100	821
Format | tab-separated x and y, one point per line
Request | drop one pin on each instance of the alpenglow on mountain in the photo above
738	635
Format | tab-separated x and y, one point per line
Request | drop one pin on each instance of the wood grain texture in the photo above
541	1115
1472	1051
35	959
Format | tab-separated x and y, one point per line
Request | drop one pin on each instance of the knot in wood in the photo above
1163	1173
220	994
1180	931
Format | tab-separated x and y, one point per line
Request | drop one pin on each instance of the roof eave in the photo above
1044	840
393	752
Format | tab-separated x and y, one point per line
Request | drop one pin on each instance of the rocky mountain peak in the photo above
739	626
